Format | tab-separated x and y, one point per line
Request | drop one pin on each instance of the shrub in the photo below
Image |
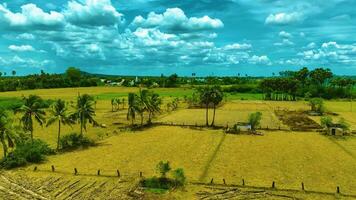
74	141
317	105
164	182
163	168
12	160
158	182
326	121
254	120
27	152
344	125
179	176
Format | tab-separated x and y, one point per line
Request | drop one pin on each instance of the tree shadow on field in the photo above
334	140
211	159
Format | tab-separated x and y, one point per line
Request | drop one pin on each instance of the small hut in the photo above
336	130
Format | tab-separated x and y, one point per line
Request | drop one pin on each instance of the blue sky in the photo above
150	37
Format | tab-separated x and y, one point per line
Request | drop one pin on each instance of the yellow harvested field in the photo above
288	158
285	157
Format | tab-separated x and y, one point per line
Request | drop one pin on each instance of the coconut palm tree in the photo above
59	112
113	102
132	107
32	108
142	103
154	102
7	131
216	95
205	99
84	111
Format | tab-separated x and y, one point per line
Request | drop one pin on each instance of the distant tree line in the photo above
72	78
319	82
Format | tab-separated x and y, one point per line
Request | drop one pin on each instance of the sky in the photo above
154	37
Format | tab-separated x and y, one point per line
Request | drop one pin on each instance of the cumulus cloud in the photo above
285	42
283	18
260	60
331	52
26	62
175	19
93	13
284	34
25	36
237	46
30	15
21	48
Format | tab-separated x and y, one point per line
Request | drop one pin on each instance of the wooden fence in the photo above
213	182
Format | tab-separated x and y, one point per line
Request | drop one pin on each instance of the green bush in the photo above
12	160
179	176
158	182
74	141
163	182
27	152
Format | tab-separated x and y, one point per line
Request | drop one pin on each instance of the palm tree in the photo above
142	103
204	96
123	103
217	96
85	111
32	108
112	104
59	112
6	131
154	103
132	107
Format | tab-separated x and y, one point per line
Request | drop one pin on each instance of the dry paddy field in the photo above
286	157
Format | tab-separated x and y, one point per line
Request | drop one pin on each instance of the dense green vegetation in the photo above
289	85
304	83
72	78
17	140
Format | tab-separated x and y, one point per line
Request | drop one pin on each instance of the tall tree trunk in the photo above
141	119
31	135
81	126
207	115
3	145
59	134
149	117
212	123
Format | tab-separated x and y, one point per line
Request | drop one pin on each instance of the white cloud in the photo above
260	60
311	45
285	34
283	18
175	19
93	13
21	48
285	42
331	52
25	36
17	61
30	15
237	46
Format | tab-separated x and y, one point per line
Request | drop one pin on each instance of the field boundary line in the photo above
275	189
211	159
